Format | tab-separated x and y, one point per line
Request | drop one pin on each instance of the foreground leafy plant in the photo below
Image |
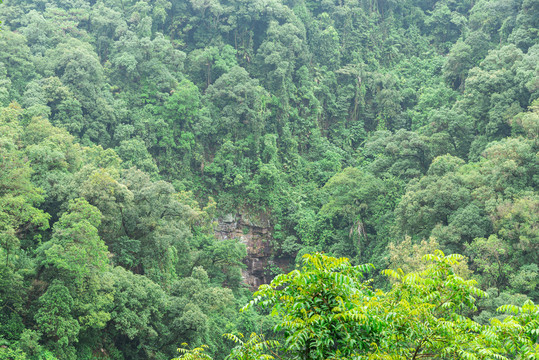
316	307
327	310
197	353
252	348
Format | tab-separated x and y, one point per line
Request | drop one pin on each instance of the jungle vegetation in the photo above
367	131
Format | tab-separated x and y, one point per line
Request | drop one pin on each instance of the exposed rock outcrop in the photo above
256	234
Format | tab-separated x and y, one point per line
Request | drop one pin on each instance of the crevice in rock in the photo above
256	234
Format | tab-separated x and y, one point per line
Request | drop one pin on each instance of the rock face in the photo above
256	234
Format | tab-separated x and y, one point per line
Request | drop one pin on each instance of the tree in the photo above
449	131
77	66
527	122
498	89
281	52
150	65
208	64
19	197
77	261
445	25
311	305
433	199
199	311
76	248
326	310
463	56
490	258
408	256
11	354
425	308
160	223
253	347
404	154
196	353
492	16
526	25
458	62
56	321
16	57
517	332
137	314
354	218
102	189
238	105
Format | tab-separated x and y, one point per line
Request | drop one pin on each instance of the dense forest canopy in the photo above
375	130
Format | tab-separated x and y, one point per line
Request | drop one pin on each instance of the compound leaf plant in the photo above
328	310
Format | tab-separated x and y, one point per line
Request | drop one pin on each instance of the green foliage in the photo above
313	305
138	304
518	331
75	246
56	321
344	126
326	310
19	197
253	348
10	354
193	354
137	312
428	310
